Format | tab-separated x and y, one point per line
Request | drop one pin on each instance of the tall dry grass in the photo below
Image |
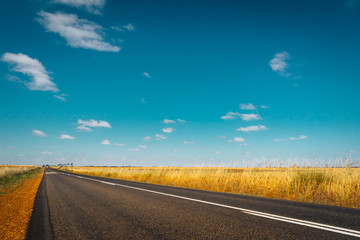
332	186
9	170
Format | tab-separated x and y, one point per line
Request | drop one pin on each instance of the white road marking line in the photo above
325	227
316	225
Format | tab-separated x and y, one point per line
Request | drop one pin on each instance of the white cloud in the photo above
65	136
168	130
46	152
133	149
264	107
168	121
129	27
147	138
176	150
61	97
105	142
12	78
82	128
301	137
93	6
248	106
146	74
298	138
39	77
252	128
244	116
143	100
78	33
87	125
228	117
119	144
160	137
221	137
237	140
247	152
181	120
187	142
279	63
143	146
217	152
38	133
249	117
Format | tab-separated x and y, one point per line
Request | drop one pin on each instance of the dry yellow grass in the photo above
8	170
332	186
16	206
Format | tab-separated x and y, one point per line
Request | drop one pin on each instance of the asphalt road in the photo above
72	206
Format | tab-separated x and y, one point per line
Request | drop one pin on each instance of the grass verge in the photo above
12	178
17	197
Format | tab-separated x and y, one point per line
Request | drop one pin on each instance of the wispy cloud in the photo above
221	137
65	136
250	117
143	146
160	137
301	137
280	64
39	77
298	138
61	97
237	140
168	121
230	116
146	74
87	125
243	116
264	107
84	129
93	6
143	100
168	130
129	27
181	120
119	144
147	138
248	106
252	128
189	142
38	133
105	142
78	33
217	152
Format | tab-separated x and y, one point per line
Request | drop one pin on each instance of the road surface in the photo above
72	206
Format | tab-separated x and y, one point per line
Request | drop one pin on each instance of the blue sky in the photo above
179	83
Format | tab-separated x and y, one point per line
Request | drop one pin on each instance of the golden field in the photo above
332	186
8	170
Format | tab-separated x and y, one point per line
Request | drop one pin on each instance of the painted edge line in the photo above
321	226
